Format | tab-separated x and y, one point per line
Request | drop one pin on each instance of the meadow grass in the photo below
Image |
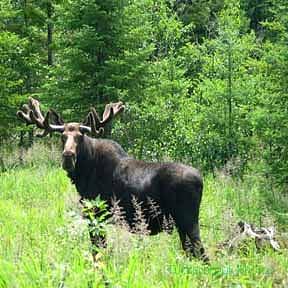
44	241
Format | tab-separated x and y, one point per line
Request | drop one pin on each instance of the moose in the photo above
101	167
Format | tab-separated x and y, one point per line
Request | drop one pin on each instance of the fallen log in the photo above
262	236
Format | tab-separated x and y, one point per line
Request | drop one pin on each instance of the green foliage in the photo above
198	17
224	97
23	57
203	82
11	51
271	114
45	242
96	211
89	36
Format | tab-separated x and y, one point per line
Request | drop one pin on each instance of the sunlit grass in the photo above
44	242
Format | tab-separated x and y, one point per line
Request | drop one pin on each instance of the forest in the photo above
204	82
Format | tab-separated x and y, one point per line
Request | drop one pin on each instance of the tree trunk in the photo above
49	33
21	147
230	121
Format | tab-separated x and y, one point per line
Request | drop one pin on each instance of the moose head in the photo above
73	132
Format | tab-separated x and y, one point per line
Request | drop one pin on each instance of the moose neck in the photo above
86	151
96	163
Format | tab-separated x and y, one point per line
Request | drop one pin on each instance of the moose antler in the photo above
31	114
97	125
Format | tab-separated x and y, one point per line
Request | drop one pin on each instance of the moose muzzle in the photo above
69	154
68	161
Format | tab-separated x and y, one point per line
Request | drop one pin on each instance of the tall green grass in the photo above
44	242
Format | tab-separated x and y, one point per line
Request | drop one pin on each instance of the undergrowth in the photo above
44	241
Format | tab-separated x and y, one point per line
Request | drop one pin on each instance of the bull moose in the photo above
100	167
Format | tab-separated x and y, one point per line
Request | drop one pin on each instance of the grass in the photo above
44	242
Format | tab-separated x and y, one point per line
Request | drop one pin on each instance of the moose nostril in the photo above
68	153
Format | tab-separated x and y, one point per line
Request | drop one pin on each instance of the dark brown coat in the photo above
103	168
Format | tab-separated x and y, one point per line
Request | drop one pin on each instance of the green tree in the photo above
87	37
198	17
271	115
224	94
24	53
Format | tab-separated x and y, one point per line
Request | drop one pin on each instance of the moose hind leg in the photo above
196	246
183	239
190	234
